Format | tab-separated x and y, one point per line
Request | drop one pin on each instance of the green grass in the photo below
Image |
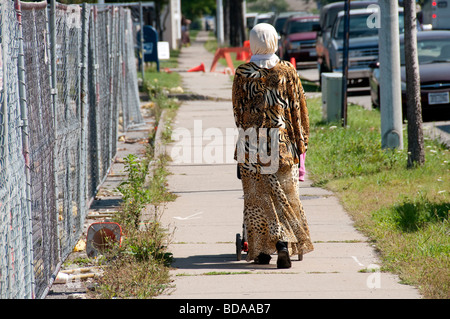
309	86
164	79
404	211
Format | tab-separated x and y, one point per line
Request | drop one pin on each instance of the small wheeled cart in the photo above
241	243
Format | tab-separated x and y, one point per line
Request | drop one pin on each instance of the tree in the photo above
195	9
416	152
267	5
237	30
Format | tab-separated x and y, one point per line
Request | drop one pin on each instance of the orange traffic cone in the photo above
199	68
294	63
245	54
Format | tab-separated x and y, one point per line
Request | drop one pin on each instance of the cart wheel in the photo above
238	247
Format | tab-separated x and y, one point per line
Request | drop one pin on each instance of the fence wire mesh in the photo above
131	112
42	143
70	197
75	89
16	249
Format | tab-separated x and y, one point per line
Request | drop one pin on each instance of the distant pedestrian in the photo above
185	37
268	96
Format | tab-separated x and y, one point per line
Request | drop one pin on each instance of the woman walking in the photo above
270	112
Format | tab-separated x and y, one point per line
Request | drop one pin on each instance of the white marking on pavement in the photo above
193	216
357	261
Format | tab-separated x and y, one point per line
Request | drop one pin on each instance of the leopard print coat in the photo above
272	99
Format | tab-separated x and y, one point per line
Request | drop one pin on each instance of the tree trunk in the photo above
237	32
416	152
226	22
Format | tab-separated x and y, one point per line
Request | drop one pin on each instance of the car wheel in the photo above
322	69
376	99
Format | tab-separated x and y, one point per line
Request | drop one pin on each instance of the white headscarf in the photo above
264	44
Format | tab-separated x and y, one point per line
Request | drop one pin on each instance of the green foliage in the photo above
267	6
195	9
404	211
349	152
135	194
139	267
148	245
416	213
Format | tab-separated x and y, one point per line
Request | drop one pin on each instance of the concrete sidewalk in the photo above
207	215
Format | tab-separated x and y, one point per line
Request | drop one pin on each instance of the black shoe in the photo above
283	261
263	259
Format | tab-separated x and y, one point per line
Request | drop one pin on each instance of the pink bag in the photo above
302	169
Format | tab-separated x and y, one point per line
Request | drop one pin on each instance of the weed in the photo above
414	214
139	267
135	195
148	244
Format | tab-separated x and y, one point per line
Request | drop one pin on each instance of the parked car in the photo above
250	19
436	14
327	18
265	18
434	64
282	17
363	46
298	40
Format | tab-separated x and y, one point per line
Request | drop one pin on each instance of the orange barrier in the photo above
200	68
225	53
244	55
294	63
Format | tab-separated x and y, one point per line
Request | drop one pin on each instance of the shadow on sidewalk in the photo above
221	263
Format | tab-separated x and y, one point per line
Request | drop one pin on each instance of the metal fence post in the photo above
141	21
53	79
97	99
26	152
111	81
83	106
5	147
345	63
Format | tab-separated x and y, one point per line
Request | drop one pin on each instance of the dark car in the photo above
298	40
282	17
433	48
328	16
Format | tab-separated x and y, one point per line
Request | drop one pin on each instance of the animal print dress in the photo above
272	99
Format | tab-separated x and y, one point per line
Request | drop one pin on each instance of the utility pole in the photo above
345	62
416	152
390	80
219	19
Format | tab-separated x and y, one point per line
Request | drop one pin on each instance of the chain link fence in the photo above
68	84
42	139
15	246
